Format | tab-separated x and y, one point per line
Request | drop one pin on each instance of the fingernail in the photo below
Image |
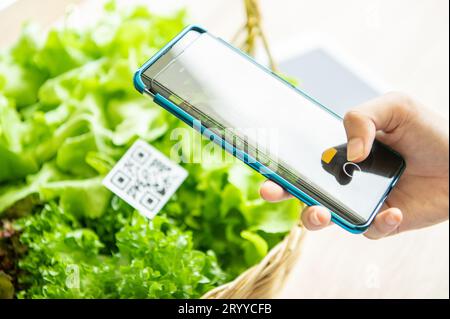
355	148
315	219
391	220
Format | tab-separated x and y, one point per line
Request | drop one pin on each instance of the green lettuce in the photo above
154	259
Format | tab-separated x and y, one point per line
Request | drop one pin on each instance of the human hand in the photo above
421	197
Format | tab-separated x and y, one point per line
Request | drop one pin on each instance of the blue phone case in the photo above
246	158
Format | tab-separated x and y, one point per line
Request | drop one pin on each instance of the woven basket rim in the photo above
264	279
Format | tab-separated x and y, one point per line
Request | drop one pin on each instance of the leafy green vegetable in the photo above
68	112
87	197
14	162
154	260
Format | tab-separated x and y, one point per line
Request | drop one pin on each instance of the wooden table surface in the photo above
403	42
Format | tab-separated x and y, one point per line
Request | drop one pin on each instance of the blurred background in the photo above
384	45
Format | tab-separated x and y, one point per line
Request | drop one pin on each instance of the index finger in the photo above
386	113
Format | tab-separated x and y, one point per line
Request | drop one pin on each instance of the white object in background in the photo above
327	73
5	3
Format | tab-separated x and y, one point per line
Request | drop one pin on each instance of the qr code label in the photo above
145	178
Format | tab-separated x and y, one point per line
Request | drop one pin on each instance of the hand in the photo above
421	197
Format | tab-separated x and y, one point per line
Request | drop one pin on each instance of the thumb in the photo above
387	113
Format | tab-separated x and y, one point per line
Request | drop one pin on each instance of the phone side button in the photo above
388	192
394	183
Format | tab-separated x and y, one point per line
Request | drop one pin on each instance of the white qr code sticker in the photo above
145	178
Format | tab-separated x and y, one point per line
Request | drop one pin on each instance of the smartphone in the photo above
231	99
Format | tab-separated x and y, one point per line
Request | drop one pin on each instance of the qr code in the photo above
145	178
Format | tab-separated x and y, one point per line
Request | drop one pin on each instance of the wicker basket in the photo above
265	279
